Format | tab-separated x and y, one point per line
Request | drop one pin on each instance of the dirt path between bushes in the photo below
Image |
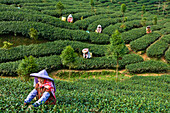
144	56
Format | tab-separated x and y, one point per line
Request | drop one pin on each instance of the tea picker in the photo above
148	30
86	53
70	19
99	29
44	90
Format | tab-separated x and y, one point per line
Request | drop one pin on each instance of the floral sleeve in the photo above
43	99
31	95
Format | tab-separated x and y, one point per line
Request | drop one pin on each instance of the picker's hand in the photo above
30	106
24	105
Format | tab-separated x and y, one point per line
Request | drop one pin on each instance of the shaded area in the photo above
19	40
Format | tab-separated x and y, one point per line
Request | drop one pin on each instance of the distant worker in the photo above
70	18
86	53
148	30
99	29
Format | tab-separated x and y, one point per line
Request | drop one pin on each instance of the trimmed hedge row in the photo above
50	32
15	9
38	4
77	16
137	33
99	38
49	48
49	63
106	22
167	55
143	42
129	25
109	21
53	63
165	31
56	13
20	1
83	24
148	66
22	16
158	49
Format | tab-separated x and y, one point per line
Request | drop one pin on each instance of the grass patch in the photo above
19	40
103	75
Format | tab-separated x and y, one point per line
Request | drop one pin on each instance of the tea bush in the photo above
136	33
53	62
51	48
143	42
167	55
158	49
148	66
21	16
138	94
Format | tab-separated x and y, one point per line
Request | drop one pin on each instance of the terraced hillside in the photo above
43	16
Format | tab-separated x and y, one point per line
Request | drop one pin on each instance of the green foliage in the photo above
34	17
42	16
50	48
137	33
26	67
143	94
128	26
60	6
148	67
6	45
33	33
82	74
158	49
123	8
117	46
68	57
143	9
143	42
54	62
155	20
131	59
91	3
167	55
143	21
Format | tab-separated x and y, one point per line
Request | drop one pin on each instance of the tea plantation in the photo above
134	95
17	17
137	94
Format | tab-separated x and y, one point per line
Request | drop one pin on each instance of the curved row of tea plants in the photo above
148	67
158	49
167	55
26	17
128	26
48	32
49	48
136	33
138	94
15	9
53	62
20	1
91	22
143	42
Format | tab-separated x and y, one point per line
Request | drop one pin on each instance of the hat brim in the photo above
40	76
